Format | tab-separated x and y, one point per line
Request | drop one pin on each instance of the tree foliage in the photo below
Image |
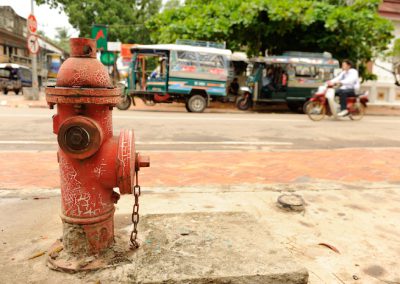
124	18
346	28
62	37
61	40
395	53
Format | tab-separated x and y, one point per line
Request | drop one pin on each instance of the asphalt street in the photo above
27	129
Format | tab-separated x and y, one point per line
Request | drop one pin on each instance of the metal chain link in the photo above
135	213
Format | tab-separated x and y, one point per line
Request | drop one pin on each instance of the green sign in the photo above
107	58
99	33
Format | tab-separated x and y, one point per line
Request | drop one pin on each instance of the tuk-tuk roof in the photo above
12	65
297	60
161	48
239	56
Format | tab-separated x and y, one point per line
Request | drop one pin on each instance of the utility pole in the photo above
35	84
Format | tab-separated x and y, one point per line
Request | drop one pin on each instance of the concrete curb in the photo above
372	109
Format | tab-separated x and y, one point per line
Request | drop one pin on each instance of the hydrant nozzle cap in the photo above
83	47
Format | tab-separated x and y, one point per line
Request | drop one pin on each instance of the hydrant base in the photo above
82	240
59	260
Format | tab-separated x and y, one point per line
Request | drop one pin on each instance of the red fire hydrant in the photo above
92	161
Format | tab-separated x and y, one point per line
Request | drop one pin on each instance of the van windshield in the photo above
5	73
25	74
200	63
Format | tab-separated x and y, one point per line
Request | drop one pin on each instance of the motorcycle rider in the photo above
349	82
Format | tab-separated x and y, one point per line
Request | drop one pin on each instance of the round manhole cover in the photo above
291	202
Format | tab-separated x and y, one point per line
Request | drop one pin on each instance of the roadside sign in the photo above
107	58
33	44
32	24
99	33
114	46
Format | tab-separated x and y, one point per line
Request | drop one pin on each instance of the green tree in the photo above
396	61
124	18
346	28
62	38
171	4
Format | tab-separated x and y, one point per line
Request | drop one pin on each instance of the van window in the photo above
305	71
199	62
325	73
25	74
5	73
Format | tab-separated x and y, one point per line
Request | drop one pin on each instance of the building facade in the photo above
13	32
13	44
384	91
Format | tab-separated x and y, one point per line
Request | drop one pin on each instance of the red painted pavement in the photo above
40	170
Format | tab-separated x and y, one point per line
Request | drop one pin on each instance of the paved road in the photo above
31	129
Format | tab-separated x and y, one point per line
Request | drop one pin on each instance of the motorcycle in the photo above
323	103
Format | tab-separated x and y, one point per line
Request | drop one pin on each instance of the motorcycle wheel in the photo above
315	110
357	112
305	106
243	104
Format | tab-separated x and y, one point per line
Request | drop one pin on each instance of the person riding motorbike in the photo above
349	83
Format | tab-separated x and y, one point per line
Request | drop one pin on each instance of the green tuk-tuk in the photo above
291	78
166	73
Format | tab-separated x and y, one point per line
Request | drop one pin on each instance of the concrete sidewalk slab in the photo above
224	247
361	223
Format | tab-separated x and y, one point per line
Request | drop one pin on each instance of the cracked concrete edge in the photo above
275	187
294	277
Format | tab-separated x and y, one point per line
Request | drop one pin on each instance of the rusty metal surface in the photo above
82	100
72	265
87	221
142	161
80	137
82	69
135	212
83	47
81	241
126	161
92	92
83	72
86	185
91	160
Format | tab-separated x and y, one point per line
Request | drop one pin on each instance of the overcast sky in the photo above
48	19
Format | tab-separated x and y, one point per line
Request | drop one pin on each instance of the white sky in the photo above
48	19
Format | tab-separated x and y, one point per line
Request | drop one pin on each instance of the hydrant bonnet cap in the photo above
83	47
82	69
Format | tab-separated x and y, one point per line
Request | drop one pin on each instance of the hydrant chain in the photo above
135	212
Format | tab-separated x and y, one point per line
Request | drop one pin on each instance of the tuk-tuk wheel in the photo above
295	107
187	107
5	92
124	103
243	103
17	91
196	103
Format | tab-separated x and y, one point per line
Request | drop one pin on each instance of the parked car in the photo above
14	77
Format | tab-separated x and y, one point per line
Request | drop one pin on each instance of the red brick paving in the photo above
40	170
